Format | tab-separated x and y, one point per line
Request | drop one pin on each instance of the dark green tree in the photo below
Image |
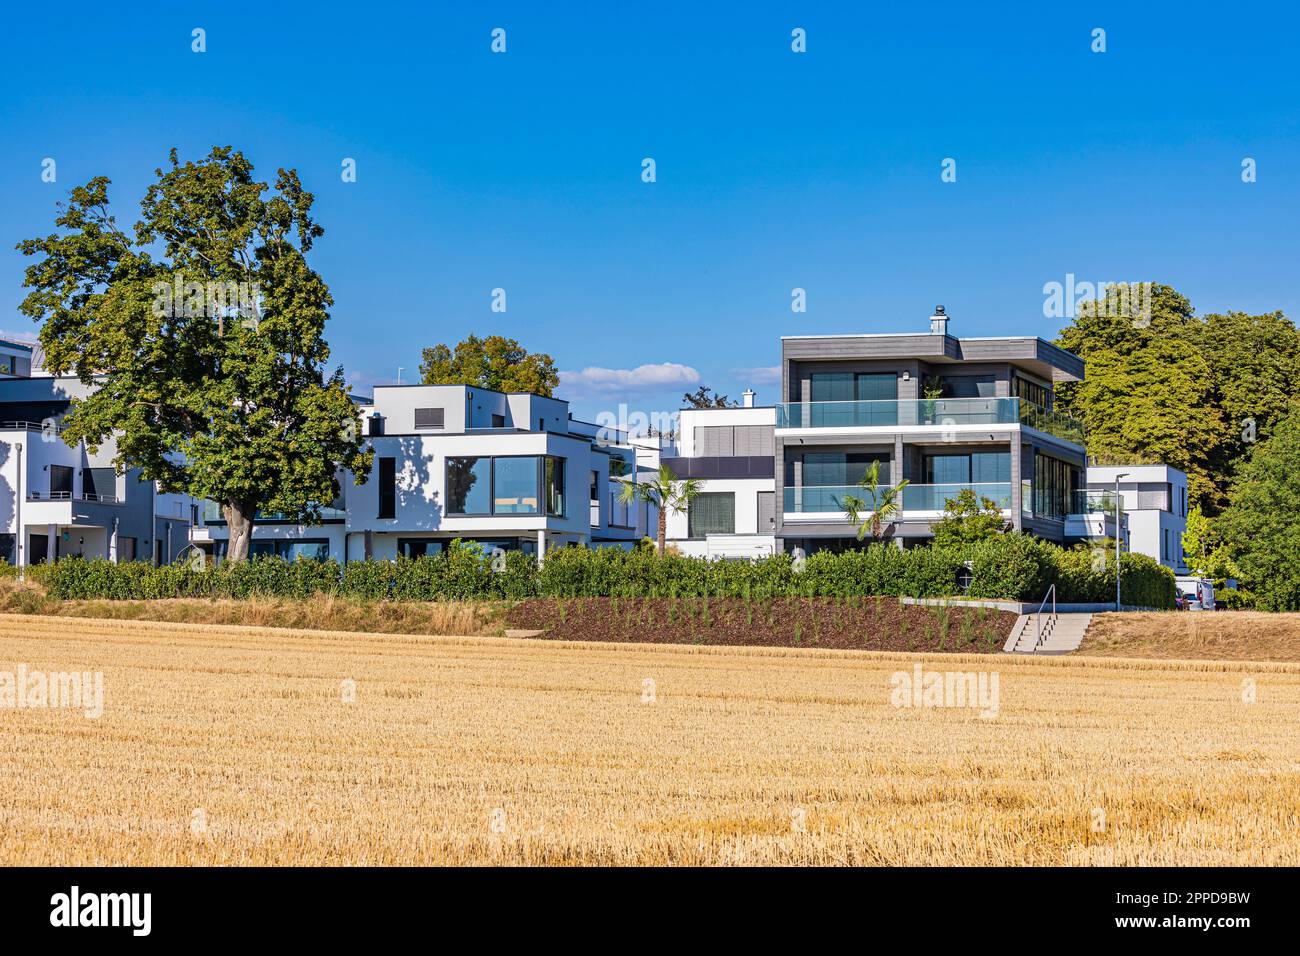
202	331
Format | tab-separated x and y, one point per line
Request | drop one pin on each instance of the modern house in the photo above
57	500
731	451
943	412
1154	498
510	471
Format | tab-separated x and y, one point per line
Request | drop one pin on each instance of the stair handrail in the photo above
1038	615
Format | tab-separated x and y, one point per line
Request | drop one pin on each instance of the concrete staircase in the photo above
1062	633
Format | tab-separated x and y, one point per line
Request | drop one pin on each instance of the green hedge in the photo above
1011	566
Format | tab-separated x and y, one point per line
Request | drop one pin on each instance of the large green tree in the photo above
1261	526
1149	394
202	330
495	362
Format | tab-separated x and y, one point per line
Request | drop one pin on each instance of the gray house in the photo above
943	412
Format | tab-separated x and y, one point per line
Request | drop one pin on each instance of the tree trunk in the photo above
239	522
663	530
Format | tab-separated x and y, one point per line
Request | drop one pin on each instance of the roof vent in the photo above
748	396
938	322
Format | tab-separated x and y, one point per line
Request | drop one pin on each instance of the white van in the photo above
1197	592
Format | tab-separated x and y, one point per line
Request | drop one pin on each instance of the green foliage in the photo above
203	333
968	520
1012	566
1180	390
1261	527
496	362
1087	575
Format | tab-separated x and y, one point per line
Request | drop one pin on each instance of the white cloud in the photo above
594	380
28	338
766	375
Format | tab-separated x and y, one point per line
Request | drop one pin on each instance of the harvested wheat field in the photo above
229	745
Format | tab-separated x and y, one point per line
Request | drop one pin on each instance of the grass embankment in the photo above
322	613
1195	635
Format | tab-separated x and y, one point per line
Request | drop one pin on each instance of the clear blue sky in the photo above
775	169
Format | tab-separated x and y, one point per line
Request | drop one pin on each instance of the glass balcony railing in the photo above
1051	422
939	412
211	512
916	498
1085	502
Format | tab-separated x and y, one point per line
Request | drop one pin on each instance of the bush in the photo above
1013	566
1010	567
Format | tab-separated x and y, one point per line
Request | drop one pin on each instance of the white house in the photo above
1154	499
510	471
730	451
57	500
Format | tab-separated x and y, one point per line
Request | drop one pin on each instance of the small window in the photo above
430	418
387	487
498	421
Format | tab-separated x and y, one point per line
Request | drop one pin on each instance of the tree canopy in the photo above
203	332
496	362
1169	387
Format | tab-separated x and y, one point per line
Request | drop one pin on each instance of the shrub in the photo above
1014	566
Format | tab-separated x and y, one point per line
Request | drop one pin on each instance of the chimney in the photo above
748	397
938	322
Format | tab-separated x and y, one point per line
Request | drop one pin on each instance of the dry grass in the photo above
320	613
1196	635
745	756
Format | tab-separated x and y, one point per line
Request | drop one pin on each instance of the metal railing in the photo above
1038	616
52	426
68	496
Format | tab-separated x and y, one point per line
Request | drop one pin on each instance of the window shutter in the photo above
429	417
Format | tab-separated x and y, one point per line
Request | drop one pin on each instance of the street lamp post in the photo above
1118	532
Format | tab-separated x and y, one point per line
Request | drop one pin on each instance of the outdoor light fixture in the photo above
1117	538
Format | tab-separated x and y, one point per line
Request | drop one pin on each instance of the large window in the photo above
514	484
1054	482
506	485
387	487
830	468
1032	392
290	549
469	486
846	390
713	512
978	468
430	417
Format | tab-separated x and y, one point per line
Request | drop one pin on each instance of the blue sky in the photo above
775	170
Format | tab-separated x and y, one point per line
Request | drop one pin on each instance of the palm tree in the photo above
665	492
885	503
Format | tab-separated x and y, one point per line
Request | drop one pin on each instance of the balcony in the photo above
937	412
917	499
211	512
